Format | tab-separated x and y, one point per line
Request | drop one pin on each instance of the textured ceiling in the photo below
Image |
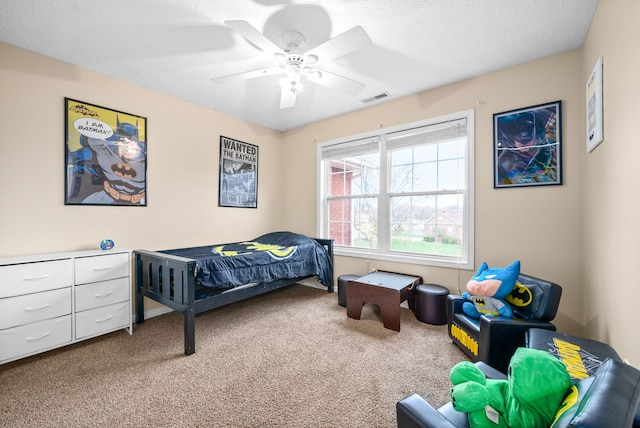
177	47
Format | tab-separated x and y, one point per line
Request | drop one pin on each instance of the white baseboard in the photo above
312	283
156	312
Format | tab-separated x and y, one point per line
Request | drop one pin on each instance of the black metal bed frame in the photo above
170	280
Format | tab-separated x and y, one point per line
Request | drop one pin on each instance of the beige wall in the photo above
611	177
183	153
581	234
182	178
541	226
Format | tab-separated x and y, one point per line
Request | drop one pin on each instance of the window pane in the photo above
408	219
427	224
358	175
451	174
353	222
451	150
365	222
426	153
426	174
401	173
413	169
451	168
428	168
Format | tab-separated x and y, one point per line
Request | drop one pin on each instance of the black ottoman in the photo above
431	303
342	288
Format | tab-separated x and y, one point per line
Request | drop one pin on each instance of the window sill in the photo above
398	257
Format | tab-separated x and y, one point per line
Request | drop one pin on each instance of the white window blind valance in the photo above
430	134
350	148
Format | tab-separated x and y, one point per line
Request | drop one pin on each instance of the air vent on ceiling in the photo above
376	97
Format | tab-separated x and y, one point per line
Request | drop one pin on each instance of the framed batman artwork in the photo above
105	156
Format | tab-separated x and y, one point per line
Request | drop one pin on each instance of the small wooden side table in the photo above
385	289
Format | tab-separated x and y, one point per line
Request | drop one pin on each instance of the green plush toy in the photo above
481	398
535	386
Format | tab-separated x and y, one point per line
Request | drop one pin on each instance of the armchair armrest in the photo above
500	337
608	399
454	305
490	372
414	412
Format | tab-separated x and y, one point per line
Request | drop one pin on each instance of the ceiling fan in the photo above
295	63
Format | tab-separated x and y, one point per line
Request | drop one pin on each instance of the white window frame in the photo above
466	260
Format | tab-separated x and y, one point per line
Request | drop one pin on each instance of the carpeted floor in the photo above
291	358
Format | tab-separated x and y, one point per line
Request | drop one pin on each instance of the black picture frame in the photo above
238	186
105	156
527	146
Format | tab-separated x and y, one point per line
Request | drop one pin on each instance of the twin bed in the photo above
197	279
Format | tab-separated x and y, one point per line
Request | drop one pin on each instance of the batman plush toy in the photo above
487	289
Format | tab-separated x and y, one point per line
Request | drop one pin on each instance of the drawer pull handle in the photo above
103	268
37	308
34	278
104	319
34	338
99	295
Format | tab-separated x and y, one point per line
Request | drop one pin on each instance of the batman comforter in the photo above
277	255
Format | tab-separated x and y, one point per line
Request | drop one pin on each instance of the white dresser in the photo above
52	300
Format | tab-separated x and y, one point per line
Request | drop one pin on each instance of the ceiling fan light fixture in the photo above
293	73
290	85
280	59
310	60
314	74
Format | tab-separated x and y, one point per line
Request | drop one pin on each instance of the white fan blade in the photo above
342	44
287	97
335	81
246	75
254	36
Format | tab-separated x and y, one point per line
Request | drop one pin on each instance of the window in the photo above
401	194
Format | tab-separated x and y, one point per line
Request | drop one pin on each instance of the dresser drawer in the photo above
27	278
103	293
102	267
95	321
15	311
34	337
